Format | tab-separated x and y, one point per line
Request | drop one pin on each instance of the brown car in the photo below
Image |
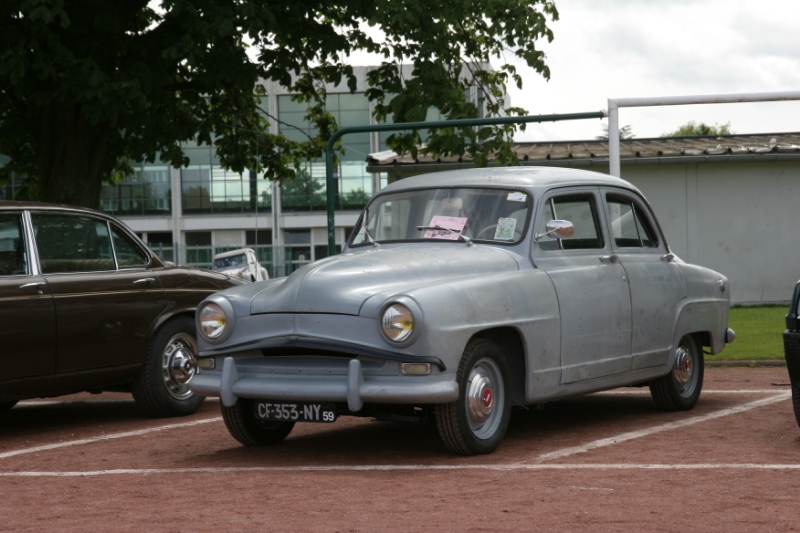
86	306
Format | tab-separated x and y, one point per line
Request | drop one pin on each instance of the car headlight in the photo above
212	321
397	322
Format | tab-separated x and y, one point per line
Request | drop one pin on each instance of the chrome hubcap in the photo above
481	398
485	398
684	366
179	365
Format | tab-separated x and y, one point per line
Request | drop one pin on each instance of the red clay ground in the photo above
606	462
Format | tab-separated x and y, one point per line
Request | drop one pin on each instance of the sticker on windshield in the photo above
505	229
451	227
516	197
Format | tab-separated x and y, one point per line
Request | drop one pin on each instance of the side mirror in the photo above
557	228
561	228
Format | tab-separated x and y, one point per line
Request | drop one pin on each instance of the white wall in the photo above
737	218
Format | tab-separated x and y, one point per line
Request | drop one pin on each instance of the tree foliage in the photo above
693	129
625	132
88	86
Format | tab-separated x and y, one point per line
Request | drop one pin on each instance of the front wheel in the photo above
680	389
476	423
243	426
162	386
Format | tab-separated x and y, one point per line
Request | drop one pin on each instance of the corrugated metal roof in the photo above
666	148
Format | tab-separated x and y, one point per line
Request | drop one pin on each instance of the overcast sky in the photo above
644	48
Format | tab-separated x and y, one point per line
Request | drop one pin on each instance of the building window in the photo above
258	237
148	191
308	191
210	189
198	248
261	242
297	245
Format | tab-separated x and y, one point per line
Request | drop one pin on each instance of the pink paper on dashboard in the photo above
454	223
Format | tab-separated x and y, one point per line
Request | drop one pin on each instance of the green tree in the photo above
89	86
303	193
625	132
693	129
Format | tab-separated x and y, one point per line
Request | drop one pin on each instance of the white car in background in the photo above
241	263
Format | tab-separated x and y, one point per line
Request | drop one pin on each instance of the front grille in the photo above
289	351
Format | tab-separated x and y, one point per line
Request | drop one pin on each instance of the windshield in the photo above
229	262
479	214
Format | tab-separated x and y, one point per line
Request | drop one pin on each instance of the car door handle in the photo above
608	259
39	285
145	281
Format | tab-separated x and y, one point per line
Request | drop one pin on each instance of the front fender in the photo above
454	312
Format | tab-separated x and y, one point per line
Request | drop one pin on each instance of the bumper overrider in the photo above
317	379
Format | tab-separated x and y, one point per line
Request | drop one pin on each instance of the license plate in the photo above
295	412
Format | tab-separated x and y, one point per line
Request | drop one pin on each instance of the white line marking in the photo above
107	437
646	391
778	397
383	468
545	457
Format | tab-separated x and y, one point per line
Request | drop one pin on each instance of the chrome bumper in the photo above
351	386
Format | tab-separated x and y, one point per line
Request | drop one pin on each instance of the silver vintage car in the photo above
459	295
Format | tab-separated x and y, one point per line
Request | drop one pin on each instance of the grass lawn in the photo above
759	333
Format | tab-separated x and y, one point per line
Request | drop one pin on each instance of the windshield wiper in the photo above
458	233
366	231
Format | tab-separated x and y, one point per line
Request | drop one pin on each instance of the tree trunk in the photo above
73	156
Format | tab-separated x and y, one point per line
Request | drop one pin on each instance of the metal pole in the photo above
615	103
330	182
613	139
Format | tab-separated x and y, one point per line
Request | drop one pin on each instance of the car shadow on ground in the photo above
367	441
77	418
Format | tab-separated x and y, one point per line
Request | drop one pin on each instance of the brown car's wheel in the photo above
476	423
5	406
244	427
161	388
680	389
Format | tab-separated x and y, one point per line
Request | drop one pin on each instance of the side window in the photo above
630	228
72	243
128	252
581	210
13	259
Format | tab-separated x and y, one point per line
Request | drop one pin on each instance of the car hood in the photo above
341	284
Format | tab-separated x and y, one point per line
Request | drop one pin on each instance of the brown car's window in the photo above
629	225
128	253
71	243
13	259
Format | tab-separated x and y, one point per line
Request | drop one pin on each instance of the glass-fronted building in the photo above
189	214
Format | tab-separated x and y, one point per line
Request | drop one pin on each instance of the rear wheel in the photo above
244	427
476	423
680	389
161	388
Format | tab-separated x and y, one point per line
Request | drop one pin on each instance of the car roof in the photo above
29	205
515	177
